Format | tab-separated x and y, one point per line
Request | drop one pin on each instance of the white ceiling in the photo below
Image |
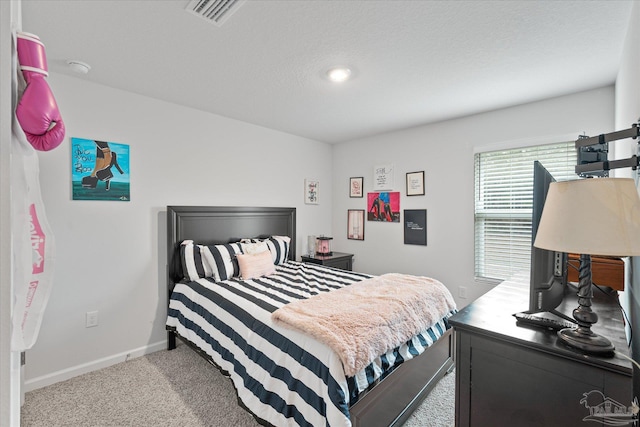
414	62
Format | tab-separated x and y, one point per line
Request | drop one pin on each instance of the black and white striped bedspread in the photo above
283	376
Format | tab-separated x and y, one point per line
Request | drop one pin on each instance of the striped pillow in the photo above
216	261
222	260
193	264
279	247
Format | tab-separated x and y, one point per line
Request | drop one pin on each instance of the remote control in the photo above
543	322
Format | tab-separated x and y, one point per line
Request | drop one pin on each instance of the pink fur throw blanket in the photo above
364	320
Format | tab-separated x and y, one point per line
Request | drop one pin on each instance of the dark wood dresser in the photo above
511	375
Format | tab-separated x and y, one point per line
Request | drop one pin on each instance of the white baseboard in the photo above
74	371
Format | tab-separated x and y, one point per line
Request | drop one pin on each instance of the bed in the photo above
311	387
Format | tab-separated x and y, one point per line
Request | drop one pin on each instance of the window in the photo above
503	204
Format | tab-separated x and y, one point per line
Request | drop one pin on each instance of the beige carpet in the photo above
173	388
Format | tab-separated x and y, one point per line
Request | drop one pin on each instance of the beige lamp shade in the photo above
596	216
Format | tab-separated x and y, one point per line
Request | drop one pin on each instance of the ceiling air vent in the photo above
215	11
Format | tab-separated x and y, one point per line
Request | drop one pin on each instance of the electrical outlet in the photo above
462	292
91	319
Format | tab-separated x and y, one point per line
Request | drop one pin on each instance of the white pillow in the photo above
254	248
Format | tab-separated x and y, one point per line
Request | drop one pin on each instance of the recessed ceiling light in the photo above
339	74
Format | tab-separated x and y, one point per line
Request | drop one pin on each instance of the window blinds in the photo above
503	204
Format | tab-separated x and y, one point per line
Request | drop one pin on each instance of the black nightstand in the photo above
339	260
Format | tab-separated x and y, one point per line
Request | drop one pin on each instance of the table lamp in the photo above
595	216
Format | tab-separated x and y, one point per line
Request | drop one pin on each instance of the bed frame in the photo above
388	403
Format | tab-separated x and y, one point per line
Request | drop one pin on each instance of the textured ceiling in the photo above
414	62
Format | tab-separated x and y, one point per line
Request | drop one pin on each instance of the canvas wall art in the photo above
383	206
99	170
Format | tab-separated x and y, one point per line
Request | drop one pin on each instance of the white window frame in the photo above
501	262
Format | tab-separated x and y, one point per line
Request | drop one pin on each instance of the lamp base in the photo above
586	341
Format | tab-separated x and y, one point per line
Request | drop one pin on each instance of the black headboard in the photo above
223	224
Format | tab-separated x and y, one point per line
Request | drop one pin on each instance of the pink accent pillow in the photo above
256	265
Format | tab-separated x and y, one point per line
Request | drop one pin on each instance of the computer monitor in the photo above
548	279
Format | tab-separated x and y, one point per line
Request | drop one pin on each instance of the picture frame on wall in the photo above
355	224
415	227
355	187
383	177
311	187
415	183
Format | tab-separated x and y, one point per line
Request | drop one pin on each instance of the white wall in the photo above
628	112
111	255
445	152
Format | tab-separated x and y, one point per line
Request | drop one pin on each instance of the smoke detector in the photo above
215	11
78	66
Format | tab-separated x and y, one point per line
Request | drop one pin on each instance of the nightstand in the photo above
339	260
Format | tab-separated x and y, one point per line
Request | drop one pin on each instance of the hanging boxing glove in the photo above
37	111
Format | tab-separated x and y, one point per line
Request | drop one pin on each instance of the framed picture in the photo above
311	191
355	224
383	206
383	177
415	183
415	227
355	187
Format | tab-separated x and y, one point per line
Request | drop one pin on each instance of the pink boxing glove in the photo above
37	110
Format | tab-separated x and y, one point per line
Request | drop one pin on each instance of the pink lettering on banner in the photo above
33	286
37	241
